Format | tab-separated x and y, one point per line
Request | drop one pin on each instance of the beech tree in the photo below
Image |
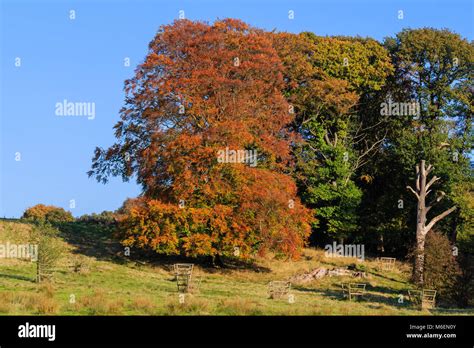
422	225
203	89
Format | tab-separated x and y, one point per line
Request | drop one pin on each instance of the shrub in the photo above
47	213
80	264
441	266
50	250
464	289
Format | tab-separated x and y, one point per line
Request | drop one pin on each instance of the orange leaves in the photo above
150	225
47	213
332	93
198	244
231	24
268	216
201	89
272	207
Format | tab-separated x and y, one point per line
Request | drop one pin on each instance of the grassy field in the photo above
94	279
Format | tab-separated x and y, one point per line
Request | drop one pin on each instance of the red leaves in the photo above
201	89
266	216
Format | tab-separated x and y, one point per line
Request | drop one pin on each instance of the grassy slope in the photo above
118	286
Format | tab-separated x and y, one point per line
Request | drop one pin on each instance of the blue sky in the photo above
82	60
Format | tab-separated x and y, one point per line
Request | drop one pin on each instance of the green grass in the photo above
111	284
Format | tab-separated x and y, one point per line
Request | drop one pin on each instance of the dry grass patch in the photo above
15	232
99	303
239	306
143	305
191	306
42	303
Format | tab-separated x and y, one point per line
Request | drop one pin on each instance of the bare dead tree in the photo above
422	228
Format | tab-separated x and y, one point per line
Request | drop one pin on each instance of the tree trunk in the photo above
381	244
419	267
454	227
422	229
217	261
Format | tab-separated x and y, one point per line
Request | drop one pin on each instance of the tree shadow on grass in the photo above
17	277
361	267
386	290
332	293
377	274
373	295
98	241
451	311
92	240
378	294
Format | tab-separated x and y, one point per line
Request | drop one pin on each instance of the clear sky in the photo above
82	60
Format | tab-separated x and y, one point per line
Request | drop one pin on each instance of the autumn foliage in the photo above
261	220
47	213
202	89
